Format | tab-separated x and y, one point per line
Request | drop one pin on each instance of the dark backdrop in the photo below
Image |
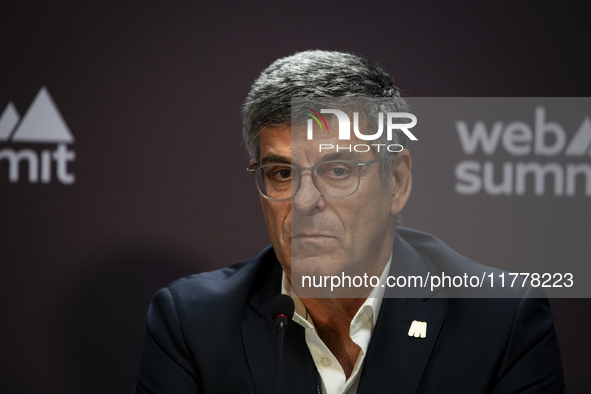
151	92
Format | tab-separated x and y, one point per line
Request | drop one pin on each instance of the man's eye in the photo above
338	171
281	174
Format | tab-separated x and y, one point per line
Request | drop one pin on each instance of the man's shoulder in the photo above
192	318
223	289
437	253
476	295
440	259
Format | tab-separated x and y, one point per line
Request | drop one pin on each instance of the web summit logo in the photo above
42	124
345	129
566	163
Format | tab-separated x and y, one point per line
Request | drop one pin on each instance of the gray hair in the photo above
314	74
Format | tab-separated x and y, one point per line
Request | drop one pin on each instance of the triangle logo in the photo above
581	142
8	120
43	122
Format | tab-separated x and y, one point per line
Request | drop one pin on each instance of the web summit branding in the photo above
42	124
558	162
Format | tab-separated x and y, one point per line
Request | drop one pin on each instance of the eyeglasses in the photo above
335	178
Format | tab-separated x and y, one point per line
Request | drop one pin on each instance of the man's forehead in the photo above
285	144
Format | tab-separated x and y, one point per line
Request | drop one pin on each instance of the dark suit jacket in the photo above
213	333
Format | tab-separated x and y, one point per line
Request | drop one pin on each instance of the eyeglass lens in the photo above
333	179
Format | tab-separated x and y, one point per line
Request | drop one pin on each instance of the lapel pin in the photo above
418	329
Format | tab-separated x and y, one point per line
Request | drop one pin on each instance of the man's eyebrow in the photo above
353	156
276	159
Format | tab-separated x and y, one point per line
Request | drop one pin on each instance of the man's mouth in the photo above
312	236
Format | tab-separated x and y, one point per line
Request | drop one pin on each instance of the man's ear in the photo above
252	161
402	178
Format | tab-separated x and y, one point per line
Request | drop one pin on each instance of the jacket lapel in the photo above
395	362
259	336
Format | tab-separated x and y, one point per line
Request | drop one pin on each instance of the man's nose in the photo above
308	198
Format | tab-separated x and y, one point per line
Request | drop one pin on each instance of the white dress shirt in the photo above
331	373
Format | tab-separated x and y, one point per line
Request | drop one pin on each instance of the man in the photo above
331	212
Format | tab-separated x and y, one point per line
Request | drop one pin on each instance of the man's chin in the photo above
322	265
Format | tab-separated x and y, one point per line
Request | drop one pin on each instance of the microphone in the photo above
282	308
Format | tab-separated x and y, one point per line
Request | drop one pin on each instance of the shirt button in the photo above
325	361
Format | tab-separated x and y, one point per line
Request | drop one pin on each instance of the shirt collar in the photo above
368	311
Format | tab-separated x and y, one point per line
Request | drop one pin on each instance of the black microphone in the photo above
282	309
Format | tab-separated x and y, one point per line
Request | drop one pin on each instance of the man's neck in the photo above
332	319
332	313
